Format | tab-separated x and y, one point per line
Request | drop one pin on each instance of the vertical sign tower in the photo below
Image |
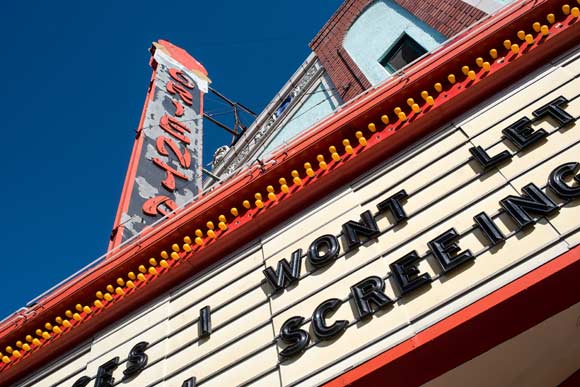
165	169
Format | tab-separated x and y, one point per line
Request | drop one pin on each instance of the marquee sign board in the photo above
442	225
166	164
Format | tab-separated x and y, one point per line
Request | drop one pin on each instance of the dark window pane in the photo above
403	52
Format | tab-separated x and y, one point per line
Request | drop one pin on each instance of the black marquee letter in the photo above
327	332
323	250
487	161
205	322
370	290
489	228
191	382
522	134
82	382
446	250
406	273
352	230
554	110
286	274
533	200
290	333
105	373
557	183
393	204
137	360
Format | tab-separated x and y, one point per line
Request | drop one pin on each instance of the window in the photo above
402	53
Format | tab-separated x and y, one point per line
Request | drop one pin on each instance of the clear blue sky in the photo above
74	81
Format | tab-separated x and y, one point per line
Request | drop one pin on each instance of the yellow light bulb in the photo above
566	9
529	39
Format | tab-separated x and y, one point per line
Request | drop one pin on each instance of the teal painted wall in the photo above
377	29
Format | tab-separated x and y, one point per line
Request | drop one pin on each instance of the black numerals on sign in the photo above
137	360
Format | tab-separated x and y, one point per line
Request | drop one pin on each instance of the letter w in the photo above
286	273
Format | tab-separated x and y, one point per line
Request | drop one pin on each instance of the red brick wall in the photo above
327	45
448	17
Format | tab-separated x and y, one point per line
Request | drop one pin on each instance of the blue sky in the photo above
74	80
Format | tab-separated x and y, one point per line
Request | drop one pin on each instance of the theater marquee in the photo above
484	201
